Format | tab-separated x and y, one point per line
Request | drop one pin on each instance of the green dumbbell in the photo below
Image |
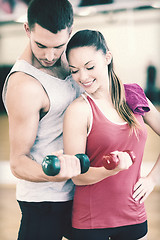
51	164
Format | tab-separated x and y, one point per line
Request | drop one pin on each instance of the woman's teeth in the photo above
88	83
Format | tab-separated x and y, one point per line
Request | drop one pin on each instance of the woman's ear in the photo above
108	57
27	29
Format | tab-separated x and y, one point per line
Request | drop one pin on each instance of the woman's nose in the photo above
83	75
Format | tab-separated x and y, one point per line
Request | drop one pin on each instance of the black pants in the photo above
131	232
45	220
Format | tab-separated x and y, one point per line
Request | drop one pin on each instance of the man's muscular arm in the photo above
25	98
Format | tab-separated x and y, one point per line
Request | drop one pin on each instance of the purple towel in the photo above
136	99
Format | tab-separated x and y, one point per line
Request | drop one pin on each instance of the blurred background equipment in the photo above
152	92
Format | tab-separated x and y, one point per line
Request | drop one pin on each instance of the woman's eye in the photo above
73	72
90	68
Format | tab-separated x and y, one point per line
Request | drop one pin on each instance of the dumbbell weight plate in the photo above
110	161
51	165
84	161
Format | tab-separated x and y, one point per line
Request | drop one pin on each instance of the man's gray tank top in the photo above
49	135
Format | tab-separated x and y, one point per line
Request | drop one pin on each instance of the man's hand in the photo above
64	166
70	166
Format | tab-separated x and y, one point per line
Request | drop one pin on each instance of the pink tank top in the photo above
109	203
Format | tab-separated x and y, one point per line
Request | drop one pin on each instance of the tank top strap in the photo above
94	110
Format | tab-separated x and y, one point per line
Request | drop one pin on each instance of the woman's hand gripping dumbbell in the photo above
111	161
51	164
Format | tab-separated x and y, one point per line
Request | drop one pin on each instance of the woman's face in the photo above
89	68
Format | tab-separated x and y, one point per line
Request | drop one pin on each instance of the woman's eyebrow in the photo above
88	62
84	64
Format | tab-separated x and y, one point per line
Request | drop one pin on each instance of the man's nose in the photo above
50	54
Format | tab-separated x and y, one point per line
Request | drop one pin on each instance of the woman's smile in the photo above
88	83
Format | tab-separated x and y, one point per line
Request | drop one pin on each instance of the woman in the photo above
108	117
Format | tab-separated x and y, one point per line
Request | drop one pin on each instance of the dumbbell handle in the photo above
51	164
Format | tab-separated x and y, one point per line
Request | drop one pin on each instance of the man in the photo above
36	93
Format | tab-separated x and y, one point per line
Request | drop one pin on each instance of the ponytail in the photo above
119	101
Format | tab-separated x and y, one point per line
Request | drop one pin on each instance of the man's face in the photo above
46	46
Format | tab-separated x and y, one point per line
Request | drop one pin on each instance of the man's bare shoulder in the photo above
26	90
20	79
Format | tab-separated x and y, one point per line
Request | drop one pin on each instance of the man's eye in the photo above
40	46
90	68
59	47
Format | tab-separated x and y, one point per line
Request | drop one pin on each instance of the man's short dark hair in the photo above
53	15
